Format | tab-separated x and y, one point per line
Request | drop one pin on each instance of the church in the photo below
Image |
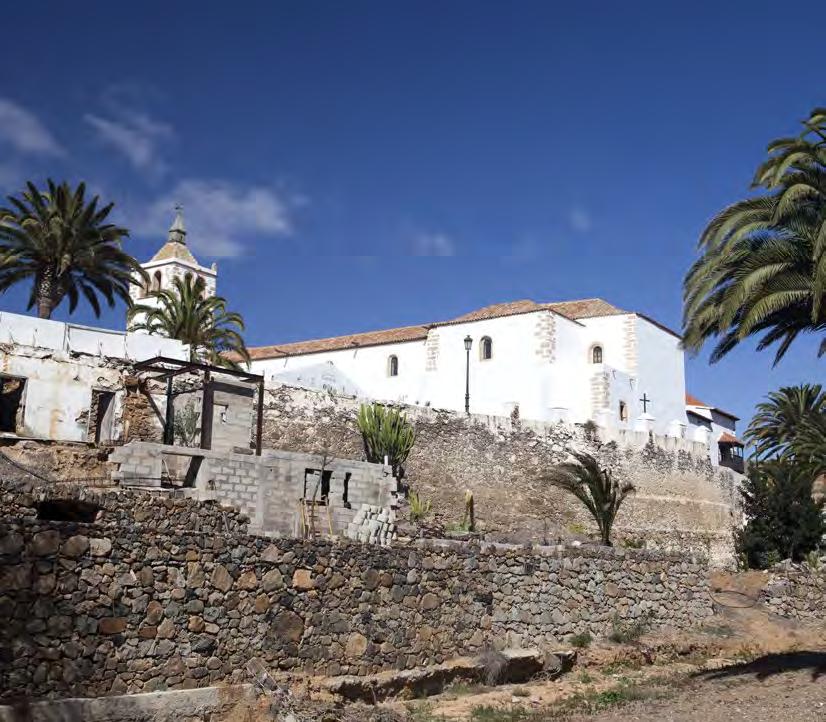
564	361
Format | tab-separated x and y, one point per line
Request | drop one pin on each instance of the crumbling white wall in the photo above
62	364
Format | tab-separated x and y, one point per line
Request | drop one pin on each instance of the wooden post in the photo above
259	429
169	420
206	412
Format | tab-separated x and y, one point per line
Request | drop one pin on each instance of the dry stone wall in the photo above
127	604
682	502
798	592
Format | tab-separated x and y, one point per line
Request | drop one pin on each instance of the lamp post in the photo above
468	343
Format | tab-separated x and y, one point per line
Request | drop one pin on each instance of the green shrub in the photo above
581	640
783	521
625	632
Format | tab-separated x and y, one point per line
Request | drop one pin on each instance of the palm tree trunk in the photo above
45	295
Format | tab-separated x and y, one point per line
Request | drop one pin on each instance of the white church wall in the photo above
510	377
609	332
661	374
366	367
566	380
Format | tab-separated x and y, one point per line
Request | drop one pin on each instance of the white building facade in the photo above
572	361
173	260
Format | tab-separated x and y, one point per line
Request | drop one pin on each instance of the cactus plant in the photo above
387	433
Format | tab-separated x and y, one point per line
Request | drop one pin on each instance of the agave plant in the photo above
386	433
762	269
597	489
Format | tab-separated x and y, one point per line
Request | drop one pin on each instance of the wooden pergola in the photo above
166	369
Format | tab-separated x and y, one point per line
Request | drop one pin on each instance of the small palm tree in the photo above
185	313
596	488
762	271
64	246
791	424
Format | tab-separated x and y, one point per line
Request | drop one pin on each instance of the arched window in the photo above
393	366
623	411
596	355
156	284
486	348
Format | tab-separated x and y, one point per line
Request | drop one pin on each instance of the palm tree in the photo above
791	425
63	244
596	488
185	312
762	268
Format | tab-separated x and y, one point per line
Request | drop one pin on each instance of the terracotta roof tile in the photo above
694	401
501	309
585	308
727	438
354	340
173	249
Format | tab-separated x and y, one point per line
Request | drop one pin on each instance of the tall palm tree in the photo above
762	268
185	312
791	424
598	490
63	244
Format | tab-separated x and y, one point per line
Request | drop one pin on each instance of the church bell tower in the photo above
173	260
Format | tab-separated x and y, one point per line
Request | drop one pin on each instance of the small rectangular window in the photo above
11	403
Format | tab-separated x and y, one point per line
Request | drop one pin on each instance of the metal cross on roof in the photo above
645	401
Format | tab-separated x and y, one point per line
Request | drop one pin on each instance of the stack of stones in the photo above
373	525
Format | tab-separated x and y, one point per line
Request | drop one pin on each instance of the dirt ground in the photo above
740	693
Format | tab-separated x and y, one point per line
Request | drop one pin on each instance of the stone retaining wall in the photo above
799	593
126	606
682	502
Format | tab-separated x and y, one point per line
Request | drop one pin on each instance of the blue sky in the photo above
359	165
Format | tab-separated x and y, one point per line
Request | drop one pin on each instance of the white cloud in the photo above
136	136
433	244
218	215
580	220
24	131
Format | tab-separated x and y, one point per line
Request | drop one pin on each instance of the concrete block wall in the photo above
268	489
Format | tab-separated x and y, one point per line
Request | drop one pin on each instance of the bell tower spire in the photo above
177	231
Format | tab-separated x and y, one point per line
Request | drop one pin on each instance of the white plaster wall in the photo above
543	388
59	336
661	375
365	368
553	385
58	393
608	332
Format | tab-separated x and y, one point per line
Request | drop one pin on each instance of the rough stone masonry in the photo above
166	593
682	503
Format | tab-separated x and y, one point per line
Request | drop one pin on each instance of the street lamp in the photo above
468	344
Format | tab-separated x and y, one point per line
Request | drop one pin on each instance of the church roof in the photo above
174	250
336	343
694	401
573	310
175	246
